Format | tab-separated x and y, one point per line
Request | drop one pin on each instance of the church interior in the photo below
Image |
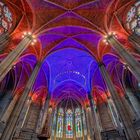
69	69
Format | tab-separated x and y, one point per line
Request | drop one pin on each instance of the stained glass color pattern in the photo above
59	132
5	18
69	124
133	18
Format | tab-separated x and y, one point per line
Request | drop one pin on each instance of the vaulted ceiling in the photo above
70	42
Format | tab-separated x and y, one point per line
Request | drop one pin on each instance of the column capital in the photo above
90	96
110	36
101	64
39	62
48	97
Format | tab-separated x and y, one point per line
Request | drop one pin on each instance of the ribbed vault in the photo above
76	25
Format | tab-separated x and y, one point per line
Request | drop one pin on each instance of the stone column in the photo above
50	120
97	133
9	109
46	131
122	108
84	122
7	113
88	123
114	114
8	62
134	101
45	113
135	107
133	64
42	116
97	117
136	41
23	114
11	124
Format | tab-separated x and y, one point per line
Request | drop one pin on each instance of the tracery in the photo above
133	18
6	19
74	68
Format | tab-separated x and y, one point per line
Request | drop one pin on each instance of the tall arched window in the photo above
133	18
59	130
5	18
78	122
69	123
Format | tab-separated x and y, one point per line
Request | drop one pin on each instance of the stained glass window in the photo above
133	18
5	18
78	122
59	130
69	123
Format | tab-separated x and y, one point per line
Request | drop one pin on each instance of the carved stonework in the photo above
137	126
112	135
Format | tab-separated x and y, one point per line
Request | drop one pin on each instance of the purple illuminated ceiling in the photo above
69	65
70	36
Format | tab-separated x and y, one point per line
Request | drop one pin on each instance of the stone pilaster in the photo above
97	133
54	124
89	129
45	113
133	64
84	127
42	116
85	124
46	131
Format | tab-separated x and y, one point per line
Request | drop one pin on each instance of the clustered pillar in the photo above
10	126
8	62
123	110
129	59
43	115
95	122
47	123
